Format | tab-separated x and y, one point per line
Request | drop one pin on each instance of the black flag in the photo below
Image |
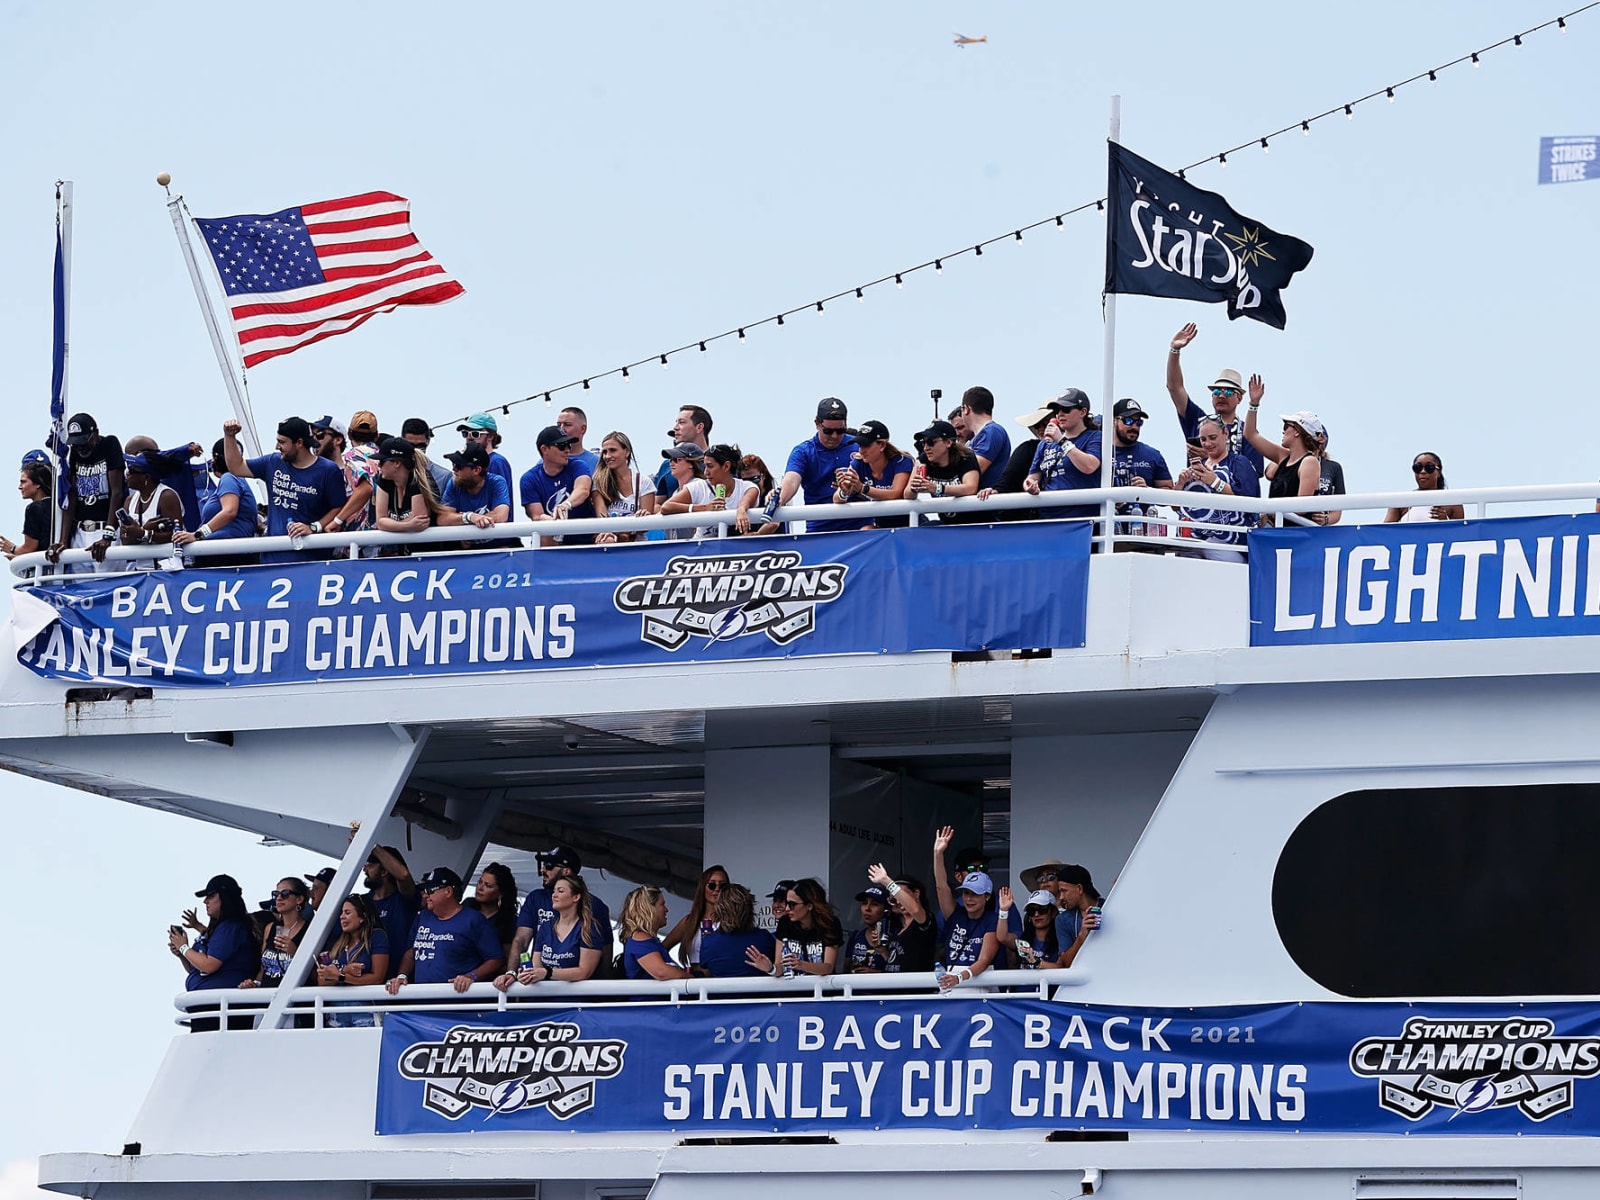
1168	238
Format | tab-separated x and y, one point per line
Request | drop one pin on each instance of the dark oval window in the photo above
1416	892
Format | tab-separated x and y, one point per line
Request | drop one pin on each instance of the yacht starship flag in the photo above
1166	237
298	276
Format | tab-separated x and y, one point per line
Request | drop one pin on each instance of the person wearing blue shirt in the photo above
480	429
879	470
725	949
815	464
1226	393
228	512
1068	458
479	497
986	437
304	492
448	943
559	862
225	954
866	950
393	896
574	422
1077	896
644	916
970	938
1135	463
570	946
557	489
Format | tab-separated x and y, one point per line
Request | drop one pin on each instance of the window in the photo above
1416	892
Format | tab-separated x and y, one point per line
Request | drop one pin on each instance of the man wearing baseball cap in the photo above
558	862
449	943
817	463
1136	463
304	492
481	428
1226	392
557	489
97	489
359	463
477	496
866	950
420	434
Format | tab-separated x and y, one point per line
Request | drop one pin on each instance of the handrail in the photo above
484	997
32	567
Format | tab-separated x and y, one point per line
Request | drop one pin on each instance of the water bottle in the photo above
786	948
771	511
938	973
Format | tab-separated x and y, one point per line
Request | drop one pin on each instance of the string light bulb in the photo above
702	347
625	376
1018	235
1518	41
899	283
1475	61
1349	112
978	249
861	296
1433	77
780	318
741	337
938	266
505	409
1222	160
819	307
1099	206
1561	24
663	362
1305	128
546	401
1061	224
586	385
1264	147
1390	93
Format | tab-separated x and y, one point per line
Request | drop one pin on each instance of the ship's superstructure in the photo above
1317	790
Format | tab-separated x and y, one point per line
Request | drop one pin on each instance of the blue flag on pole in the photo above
1166	237
58	369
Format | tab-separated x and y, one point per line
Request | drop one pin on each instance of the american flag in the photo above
298	276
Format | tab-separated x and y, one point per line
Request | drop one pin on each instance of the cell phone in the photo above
174	929
1194	442
123	518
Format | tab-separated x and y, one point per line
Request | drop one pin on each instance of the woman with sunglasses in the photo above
698	921
809	934
1036	947
619	487
913	938
358	957
644	915
283	936
1428	469
946	467
879	470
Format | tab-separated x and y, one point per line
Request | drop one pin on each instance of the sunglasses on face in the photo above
1424	468
1135	421
715	885
1048	877
281	895
1224	391
828	431
973	868
794	904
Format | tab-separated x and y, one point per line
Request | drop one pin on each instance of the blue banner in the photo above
1426	581
1007	586
996	1064
1568	159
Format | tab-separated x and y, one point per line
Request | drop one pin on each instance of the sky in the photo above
611	182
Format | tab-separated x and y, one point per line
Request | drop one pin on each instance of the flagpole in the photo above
230	373
1108	379
62	335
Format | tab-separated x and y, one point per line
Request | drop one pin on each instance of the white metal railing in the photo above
320	1002
1477	501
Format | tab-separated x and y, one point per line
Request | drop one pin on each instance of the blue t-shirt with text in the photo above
963	937
447	947
396	913
537	911
303	494
558	952
1057	472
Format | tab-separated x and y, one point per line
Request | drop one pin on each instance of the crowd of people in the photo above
328	475
401	930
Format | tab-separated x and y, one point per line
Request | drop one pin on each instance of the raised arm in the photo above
941	880
1273	452
1175	388
231	453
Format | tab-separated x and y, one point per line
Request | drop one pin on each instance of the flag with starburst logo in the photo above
1166	237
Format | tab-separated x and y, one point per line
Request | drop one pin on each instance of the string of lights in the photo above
1058	220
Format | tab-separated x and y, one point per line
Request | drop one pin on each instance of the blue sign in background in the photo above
1426	581
1568	159
888	591
957	1063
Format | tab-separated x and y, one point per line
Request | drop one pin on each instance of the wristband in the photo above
894	888
316	527
203	532
402	979
336	523
966	972
549	972
1218	486
1005	913
473	975
1174	349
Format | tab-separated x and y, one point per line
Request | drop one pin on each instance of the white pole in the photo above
63	215
230	373
1108	379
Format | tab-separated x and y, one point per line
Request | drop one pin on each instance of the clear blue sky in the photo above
609	183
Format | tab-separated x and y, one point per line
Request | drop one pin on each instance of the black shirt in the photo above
914	947
1011	480
91	478
399	506
36	522
961	461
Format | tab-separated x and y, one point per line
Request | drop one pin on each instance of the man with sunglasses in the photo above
816	464
559	862
1136	464
480	429
305	492
1226	393
449	943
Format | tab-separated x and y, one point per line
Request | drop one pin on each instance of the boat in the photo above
1337	798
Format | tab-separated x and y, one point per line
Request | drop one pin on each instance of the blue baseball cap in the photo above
977	883
35	456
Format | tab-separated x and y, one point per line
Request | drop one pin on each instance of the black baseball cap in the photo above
870	431
440	877
781	892
295	429
1127	407
551	435
831	409
937	429
416	427
873	892
219	885
323	876
396	450
81	428
473	455
973	856
561	856
1071	398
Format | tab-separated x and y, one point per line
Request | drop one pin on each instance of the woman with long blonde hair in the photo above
620	489
644	916
404	499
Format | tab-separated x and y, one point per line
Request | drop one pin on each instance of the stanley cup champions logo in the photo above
1474	1066
506	1070
725	596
